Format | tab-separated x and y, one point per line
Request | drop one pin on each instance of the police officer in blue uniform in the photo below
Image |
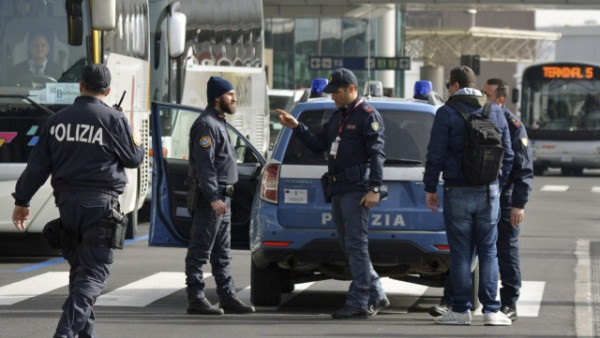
353	140
213	170
86	148
513	197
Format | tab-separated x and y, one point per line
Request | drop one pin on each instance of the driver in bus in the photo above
38	63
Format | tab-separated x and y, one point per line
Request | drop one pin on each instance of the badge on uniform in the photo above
375	126
524	141
136	139
205	141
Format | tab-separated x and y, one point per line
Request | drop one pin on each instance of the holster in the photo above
54	233
111	231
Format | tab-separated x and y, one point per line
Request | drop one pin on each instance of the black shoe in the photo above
439	310
348	312
378	306
510	311
202	306
232	304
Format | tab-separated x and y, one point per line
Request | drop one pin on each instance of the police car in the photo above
170	222
292	234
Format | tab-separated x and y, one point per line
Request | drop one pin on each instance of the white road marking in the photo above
530	300
31	287
596	189
145	291
557	188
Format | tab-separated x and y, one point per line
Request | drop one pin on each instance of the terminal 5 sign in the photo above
359	63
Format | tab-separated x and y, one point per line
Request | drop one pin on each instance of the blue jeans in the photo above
352	225
508	254
471	215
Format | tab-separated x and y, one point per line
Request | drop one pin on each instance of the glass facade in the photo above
295	40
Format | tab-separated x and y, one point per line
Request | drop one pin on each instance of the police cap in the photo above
340	77
96	76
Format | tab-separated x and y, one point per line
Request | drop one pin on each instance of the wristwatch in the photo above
376	189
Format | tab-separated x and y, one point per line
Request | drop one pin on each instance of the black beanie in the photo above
216	87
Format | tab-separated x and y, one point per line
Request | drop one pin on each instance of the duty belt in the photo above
226	190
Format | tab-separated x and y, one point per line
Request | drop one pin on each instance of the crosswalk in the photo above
564	188
147	290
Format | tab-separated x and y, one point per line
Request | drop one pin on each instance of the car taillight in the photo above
270	183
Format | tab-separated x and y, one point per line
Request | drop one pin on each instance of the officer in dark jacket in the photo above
213	169
353	140
513	198
86	148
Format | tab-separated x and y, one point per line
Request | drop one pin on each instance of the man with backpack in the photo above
471	205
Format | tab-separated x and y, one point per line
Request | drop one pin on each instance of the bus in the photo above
76	33
560	107
222	38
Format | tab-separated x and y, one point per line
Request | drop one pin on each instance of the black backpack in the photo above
483	151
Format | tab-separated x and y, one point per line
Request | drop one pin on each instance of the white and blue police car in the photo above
292	235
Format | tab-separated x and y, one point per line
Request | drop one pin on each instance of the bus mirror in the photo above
176	26
75	22
515	95
104	15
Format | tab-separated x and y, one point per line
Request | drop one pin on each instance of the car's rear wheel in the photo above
265	285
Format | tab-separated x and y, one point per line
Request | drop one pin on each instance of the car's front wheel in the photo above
265	285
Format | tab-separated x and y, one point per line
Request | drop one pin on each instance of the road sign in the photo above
359	63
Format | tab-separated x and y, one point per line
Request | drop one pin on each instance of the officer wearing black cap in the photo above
86	148
213	169
353	140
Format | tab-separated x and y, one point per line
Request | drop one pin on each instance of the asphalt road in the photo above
145	295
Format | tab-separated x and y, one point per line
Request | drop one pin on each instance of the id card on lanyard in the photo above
336	143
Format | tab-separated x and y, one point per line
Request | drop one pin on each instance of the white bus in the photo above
560	106
113	32
223	38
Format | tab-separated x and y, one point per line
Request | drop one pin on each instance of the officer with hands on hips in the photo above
353	140
86	148
214	169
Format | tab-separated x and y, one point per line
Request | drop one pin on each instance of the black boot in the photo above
232	304
202	306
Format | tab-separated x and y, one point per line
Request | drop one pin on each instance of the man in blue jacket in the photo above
513	197
470	211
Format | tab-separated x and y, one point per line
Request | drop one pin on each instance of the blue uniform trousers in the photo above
89	264
210	240
352	225
508	254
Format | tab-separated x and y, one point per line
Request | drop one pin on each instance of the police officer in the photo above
213	168
86	148
513	197
353	140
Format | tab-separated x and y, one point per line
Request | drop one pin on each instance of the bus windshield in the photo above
36	60
561	97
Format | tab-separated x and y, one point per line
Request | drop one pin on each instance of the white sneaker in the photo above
496	319
454	318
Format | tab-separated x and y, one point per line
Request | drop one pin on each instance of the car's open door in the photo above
170	222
